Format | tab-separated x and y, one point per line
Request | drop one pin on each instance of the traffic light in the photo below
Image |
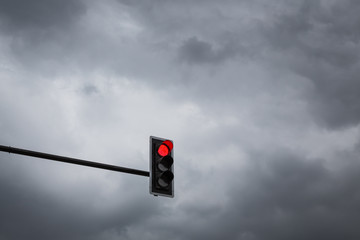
161	167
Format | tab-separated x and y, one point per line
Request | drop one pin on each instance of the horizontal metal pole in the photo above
72	160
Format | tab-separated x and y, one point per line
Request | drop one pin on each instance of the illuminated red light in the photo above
169	144
163	150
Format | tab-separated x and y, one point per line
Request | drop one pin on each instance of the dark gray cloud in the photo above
282	196
311	38
39	34
90	89
316	41
37	213
276	195
39	15
197	51
264	111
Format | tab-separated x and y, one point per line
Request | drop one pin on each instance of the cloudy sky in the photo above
261	98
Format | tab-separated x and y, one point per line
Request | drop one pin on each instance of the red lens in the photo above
163	150
169	144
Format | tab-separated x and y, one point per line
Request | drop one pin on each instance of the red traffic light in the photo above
161	167
165	148
169	144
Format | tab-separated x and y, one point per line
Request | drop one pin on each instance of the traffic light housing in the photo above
161	167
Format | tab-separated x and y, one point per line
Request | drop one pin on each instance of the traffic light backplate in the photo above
161	167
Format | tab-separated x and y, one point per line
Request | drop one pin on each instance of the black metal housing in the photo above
161	170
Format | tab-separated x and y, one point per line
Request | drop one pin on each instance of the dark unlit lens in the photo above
165	163
165	179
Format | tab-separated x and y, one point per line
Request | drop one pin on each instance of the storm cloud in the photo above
261	99
320	41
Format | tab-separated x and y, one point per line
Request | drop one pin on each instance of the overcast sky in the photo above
261	99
